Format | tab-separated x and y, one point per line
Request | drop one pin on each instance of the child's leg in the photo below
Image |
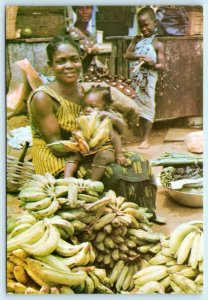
72	165
147	127
100	160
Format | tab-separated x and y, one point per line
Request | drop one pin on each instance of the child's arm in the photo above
130	54
116	141
117	122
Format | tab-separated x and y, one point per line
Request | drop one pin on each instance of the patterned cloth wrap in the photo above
144	79
134	182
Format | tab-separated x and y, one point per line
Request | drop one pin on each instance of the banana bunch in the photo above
39	196
186	244
94	132
54	272
95	282
113	232
20	224
121	276
44	195
40	239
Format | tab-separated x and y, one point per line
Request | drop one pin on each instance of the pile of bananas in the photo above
63	251
178	267
91	134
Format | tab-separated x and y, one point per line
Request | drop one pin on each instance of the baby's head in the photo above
98	97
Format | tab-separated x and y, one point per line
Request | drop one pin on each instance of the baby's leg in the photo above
72	165
100	160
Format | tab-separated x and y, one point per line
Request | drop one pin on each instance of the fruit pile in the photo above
93	133
95	242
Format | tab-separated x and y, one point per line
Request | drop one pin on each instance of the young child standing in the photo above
98	97
146	55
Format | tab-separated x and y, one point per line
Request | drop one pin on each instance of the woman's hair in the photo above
101	89
146	10
58	40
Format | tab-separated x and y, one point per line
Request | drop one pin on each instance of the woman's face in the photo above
146	25
84	13
66	64
94	100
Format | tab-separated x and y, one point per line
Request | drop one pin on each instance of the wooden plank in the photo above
113	56
178	134
119	70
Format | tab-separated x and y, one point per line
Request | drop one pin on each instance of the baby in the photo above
98	97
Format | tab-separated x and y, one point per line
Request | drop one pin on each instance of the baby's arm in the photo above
116	141
130	52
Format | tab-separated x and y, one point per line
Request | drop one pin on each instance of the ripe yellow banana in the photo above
20	274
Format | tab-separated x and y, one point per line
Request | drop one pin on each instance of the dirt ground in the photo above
173	212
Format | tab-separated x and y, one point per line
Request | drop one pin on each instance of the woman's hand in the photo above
121	159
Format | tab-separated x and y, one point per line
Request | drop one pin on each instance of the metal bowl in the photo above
186	199
183	198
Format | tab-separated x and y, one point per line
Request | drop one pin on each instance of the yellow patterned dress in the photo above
43	159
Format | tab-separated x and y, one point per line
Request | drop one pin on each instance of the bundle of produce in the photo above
172	159
91	135
117	230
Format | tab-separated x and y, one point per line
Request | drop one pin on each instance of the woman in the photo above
53	110
54	107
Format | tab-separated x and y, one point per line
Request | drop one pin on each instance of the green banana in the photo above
106	219
143	235
185	246
38	205
47	246
65	225
29	236
19	229
53	261
116	272
47	212
193	258
178	235
66	249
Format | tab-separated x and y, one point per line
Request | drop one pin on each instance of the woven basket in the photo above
17	173
11	16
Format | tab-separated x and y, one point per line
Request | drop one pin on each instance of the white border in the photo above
3	3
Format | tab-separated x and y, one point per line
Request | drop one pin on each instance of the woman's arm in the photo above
43	114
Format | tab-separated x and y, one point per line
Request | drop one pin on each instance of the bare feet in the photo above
144	145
